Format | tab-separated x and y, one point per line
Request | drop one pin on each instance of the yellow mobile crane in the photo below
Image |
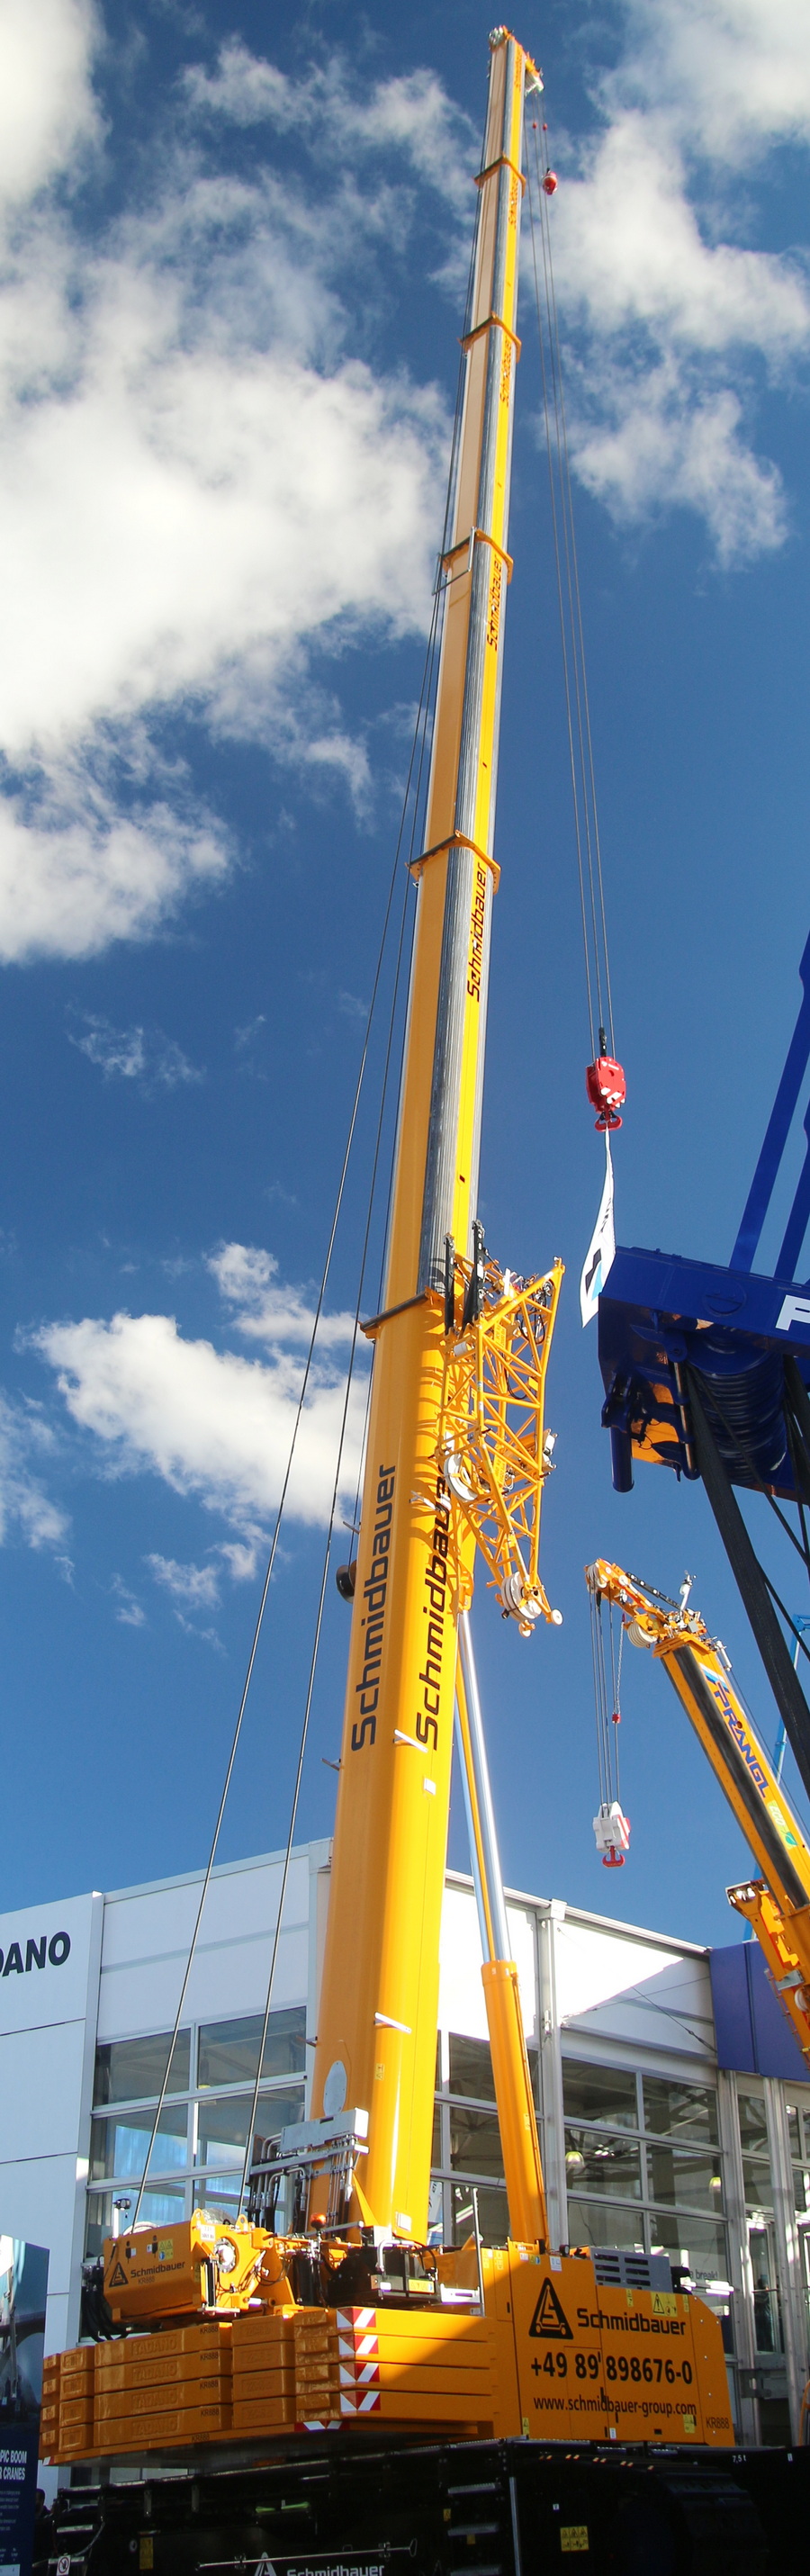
233	2350
777	1905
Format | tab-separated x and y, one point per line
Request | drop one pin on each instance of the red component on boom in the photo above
550	182
607	1090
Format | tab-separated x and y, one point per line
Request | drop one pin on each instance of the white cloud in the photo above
75	874
674	320
410	113
199	479
264	1311
26	1511
736	72
139	1055
633	253
213	1424
240	1558
661	449
130	1610
47	107
195	1586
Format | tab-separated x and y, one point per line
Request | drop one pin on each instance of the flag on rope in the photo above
602	1246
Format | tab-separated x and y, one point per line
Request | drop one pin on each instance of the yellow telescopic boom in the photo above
778	1904
379	2002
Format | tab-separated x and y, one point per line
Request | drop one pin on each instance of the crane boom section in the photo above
696	1665
440	1107
379	2001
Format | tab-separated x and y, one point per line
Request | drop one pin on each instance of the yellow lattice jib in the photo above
494	1450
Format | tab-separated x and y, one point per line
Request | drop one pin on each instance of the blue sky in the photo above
234	249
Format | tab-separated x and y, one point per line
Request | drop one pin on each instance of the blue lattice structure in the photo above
707	1371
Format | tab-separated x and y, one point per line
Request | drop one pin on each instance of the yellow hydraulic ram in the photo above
430	1494
778	1904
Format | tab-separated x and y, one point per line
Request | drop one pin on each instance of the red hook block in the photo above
607	1090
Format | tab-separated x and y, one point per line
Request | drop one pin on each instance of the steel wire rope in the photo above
294	1437
596	1659
583	774
327	1553
567	528
761	1488
616	1685
427	709
419	732
545	221
422	733
420	738
560	604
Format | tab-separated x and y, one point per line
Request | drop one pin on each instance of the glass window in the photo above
228	2051
118	2148
493	2215
682	2181
602	2164
681	2110
801	2187
471	2068
794	2130
219	2193
603	2093
222	2124
702	2249
475	2142
593	2223
758	2186
129	2070
436	2141
768	2334
162	2208
753	2126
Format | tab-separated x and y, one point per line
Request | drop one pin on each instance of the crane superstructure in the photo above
777	1904
341	2313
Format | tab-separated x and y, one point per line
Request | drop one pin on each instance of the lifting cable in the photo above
610	1826
421	736
413	799
604	1079
326	1560
421	721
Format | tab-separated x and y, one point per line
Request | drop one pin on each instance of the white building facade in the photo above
670	2117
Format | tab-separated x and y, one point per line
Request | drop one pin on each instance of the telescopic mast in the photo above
379	2002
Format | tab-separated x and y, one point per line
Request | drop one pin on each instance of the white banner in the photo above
602	1246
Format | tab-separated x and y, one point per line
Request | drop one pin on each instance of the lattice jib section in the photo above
494	1450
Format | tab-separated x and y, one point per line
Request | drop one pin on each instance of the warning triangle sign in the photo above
117	2277
549	2318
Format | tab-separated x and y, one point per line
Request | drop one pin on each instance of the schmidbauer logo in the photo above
317	2567
549	2318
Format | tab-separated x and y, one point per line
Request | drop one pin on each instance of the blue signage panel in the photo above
754	2036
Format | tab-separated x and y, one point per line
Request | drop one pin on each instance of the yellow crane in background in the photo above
777	1905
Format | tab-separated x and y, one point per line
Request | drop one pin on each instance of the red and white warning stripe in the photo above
359	2361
